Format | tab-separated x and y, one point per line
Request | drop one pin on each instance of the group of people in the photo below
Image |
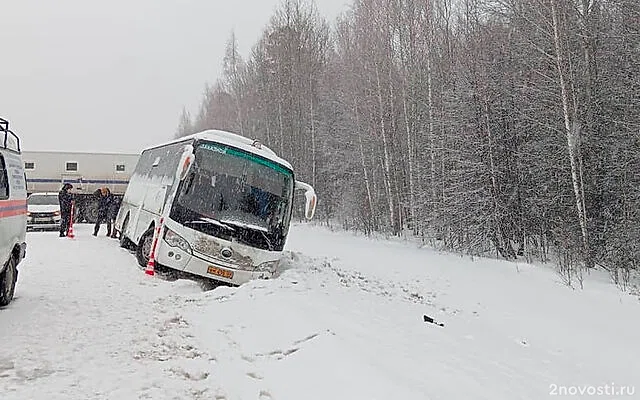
108	207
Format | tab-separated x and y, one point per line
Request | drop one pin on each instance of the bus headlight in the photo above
175	240
269	266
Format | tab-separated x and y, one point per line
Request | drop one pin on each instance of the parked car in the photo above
43	211
13	210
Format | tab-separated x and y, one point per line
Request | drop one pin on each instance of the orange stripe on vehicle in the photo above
9	203
12	213
12	208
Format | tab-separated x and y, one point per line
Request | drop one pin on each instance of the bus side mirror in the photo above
311	199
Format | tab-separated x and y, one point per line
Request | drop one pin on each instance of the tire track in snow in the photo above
366	282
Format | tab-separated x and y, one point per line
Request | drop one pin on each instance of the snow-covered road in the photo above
344	321
84	324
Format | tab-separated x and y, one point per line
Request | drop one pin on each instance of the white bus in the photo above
225	201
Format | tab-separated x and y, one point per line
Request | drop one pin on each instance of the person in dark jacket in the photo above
113	214
65	199
104	203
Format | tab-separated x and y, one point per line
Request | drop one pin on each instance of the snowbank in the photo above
345	320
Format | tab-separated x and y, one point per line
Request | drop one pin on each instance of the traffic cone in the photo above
151	264
70	233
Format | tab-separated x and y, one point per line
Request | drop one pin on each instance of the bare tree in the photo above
505	127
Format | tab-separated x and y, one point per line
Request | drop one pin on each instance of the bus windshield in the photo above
230	192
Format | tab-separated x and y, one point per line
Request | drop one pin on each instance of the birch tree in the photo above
503	127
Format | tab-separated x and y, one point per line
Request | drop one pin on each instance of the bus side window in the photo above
4	180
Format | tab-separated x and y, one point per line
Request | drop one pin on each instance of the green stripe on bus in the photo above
248	156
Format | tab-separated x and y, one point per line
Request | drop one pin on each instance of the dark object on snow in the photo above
431	320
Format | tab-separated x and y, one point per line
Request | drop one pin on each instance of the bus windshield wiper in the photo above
205	220
263	231
264	235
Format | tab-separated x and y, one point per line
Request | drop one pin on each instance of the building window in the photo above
71	166
29	165
4	180
120	167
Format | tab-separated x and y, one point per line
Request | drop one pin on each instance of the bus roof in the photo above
231	139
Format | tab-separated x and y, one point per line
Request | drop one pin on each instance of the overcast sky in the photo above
88	75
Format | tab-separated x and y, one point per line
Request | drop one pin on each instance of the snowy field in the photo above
344	321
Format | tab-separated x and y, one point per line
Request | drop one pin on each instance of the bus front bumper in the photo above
197	264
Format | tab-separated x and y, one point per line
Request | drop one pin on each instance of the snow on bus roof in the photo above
231	139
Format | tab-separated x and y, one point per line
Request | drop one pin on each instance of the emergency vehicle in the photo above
13	211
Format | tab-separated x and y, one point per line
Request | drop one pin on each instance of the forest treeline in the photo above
505	127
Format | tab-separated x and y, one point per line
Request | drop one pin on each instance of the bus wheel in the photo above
8	280
144	247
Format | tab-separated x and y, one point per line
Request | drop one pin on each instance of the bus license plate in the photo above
220	272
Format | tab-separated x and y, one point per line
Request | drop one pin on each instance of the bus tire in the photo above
8	280
144	247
